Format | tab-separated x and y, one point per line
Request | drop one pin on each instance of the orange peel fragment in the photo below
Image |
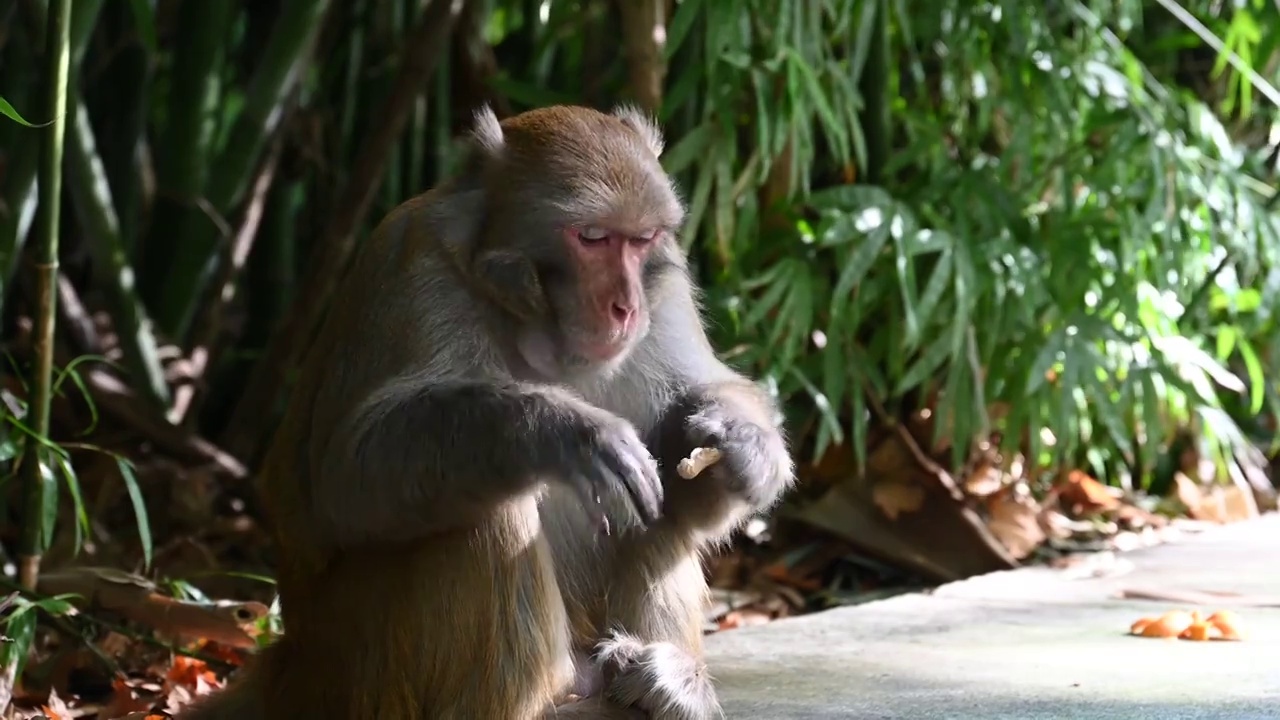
1183	625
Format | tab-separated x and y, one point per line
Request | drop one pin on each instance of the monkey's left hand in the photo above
754	467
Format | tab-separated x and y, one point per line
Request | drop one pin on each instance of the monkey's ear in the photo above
512	281
485	143
642	123
487	132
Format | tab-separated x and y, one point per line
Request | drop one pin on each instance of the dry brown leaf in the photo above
895	497
1015	521
124	701
1215	503
1085	494
986	479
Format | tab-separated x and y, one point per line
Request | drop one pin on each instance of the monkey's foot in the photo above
660	678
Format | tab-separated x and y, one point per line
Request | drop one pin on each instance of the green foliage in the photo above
55	461
19	625
8	111
1056	207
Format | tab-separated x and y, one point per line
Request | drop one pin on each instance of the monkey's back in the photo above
445	627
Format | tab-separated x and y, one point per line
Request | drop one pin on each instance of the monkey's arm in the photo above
710	405
430	457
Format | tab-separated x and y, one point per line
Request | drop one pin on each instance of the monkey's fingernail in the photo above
604	524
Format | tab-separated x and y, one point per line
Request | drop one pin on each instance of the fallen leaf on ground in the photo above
1015	521
1214	503
1084	494
895	497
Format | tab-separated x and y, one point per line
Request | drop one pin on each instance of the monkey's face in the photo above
598	301
582	196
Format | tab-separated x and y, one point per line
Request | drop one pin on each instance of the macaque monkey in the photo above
474	488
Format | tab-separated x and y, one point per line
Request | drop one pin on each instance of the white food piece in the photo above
700	459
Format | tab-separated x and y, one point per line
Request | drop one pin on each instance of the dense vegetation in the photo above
1036	233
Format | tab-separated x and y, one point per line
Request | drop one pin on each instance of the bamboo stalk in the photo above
257	407
20	174
35	533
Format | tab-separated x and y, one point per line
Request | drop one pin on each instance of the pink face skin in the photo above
608	312
610	267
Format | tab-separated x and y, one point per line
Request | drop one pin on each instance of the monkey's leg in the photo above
650	590
463	626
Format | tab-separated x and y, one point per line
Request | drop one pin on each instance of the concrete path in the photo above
1024	645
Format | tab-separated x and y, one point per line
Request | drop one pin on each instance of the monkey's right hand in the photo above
604	455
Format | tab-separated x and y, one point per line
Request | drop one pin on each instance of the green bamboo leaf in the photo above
1043	362
773	297
76	379
57	605
1107	409
899	226
49	510
1226	341
862	40
826	413
850	198
73	486
8	111
139	507
686	14
958	400
761	87
1153	429
858	426
836	372
723	202
936	354
19	631
1180	351
1257	378
857	265
693	146
938	282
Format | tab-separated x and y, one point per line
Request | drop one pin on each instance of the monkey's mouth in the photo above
602	352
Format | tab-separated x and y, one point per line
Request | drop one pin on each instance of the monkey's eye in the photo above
644	238
592	235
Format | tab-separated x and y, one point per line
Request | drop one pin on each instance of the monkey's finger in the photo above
705	429
626	473
645	488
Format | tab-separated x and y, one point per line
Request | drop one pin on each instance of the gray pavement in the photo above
1027	644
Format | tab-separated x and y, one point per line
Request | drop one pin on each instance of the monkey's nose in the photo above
622	313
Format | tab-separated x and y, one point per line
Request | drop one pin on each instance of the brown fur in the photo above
437	559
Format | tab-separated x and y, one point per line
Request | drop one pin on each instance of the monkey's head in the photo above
579	229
